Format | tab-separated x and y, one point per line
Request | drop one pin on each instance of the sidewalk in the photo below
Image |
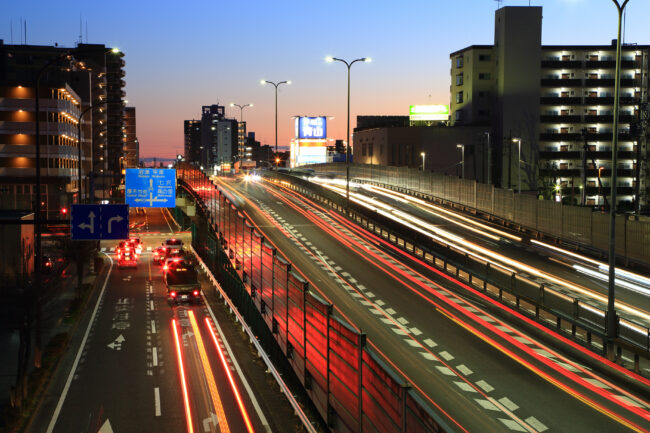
54	313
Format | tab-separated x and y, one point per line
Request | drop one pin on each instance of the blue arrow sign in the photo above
150	187
115	221
84	221
94	221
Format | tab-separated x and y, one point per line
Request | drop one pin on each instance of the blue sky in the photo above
182	55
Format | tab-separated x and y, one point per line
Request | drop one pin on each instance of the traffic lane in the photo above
212	399
406	363
111	383
526	254
448	340
550	365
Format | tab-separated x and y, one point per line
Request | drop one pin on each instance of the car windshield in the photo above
185	274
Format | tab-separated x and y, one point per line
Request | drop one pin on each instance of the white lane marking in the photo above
464	386
413	343
380	302
428	356
486	404
512	425
463	369
64	393
154	354
103	249
402	320
448	356
151	305
445	370
153	326
429	342
509	404
597	383
628	400
485	386
398	331
415	331
368	294
534	423
390	311
156	400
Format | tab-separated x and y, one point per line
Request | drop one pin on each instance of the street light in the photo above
518	141
462	161
611	310
422	155
347	135
276	85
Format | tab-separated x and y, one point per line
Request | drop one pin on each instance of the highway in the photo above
141	365
562	270
482	373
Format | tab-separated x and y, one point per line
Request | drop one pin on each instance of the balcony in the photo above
608	118
556	155
559	119
561	82
600	64
557	136
562	64
557	100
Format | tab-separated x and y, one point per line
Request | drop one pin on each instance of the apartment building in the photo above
131	145
553	106
60	107
192	135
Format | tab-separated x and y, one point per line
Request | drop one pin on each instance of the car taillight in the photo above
155	253
195	293
172	294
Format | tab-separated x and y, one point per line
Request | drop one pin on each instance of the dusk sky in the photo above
182	55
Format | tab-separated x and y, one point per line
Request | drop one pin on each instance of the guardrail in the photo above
573	317
349	385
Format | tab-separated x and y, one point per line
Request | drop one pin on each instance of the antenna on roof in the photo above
86	31
498	3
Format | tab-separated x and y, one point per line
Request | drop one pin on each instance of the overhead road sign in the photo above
151	187
94	221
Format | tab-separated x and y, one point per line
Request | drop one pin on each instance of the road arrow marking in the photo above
91	226
120	339
117	218
211	419
106	427
112	345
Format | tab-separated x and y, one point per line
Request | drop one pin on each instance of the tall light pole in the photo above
347	135
276	85
518	141
611	298
241	121
462	161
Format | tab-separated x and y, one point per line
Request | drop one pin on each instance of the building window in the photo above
459	97
459	79
484	76
459	61
484	57
458	115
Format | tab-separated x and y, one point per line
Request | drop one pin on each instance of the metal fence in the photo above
579	226
349	385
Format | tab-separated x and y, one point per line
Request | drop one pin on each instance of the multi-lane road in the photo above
137	364
483	373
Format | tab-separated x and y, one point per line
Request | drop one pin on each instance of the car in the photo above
182	283
173	244
137	244
172	259
159	254
127	258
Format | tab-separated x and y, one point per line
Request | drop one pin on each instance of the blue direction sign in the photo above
151	187
94	221
84	221
115	221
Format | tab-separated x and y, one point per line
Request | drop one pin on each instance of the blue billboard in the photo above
150	187
312	127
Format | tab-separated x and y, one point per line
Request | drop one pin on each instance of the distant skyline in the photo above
180	57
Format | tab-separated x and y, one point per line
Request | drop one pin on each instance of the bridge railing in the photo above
349	384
